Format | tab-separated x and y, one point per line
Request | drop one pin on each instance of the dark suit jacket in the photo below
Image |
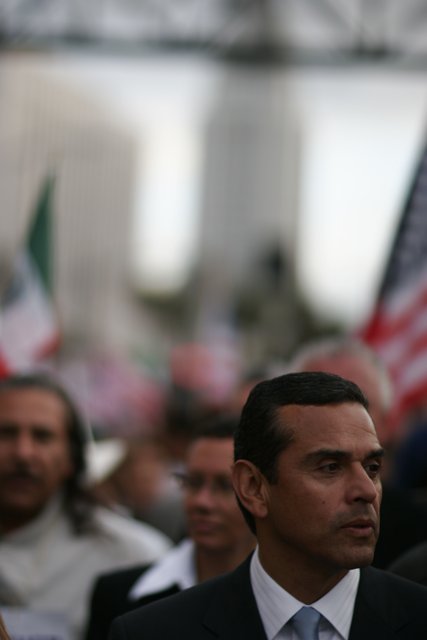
387	607
110	598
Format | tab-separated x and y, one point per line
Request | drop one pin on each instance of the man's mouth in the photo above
19	478
203	526
360	527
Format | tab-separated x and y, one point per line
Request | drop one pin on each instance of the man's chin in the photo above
21	510
359	558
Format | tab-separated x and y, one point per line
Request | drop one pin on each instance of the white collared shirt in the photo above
176	567
276	606
46	567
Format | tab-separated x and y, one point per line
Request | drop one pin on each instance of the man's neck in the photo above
306	584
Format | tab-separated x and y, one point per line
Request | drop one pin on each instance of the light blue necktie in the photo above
306	623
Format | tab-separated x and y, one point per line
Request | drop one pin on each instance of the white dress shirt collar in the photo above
176	567
276	606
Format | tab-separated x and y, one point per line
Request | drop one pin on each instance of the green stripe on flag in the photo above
39	238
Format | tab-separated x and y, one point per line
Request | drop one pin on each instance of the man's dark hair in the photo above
77	501
261	435
218	425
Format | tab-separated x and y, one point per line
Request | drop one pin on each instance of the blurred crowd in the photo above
96	520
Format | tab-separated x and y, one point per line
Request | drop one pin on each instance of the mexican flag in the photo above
28	322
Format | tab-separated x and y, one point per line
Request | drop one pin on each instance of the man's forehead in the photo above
346	428
211	440
221	448
298	409
30	391
32	401
342	413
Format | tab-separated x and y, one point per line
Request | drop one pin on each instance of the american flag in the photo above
397	328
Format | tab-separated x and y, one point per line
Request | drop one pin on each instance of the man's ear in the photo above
251	488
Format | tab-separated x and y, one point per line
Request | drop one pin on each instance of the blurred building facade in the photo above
245	208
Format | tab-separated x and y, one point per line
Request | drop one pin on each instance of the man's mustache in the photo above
19	473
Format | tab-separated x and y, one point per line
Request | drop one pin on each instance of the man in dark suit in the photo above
307	477
219	538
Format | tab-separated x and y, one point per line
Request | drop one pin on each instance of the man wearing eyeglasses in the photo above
218	537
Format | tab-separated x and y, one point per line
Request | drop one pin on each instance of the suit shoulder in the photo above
191	597
389	583
128	575
163	614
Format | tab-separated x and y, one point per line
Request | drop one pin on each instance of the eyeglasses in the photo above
218	485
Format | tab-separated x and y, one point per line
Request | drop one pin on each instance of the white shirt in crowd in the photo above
47	568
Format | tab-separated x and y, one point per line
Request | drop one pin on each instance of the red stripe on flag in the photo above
4	368
384	325
397	328
48	348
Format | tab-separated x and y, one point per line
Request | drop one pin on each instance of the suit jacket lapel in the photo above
233	612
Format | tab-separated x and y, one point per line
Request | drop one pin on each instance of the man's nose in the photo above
24	447
203	495
361	486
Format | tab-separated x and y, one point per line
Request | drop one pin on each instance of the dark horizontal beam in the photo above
244	54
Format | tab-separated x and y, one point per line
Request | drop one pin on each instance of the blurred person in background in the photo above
410	464
54	539
219	539
350	358
403	521
412	564
239	394
184	410
139	484
411	474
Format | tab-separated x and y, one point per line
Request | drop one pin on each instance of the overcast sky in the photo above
362	131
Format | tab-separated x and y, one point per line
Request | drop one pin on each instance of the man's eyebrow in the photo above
376	453
340	454
7	424
320	454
